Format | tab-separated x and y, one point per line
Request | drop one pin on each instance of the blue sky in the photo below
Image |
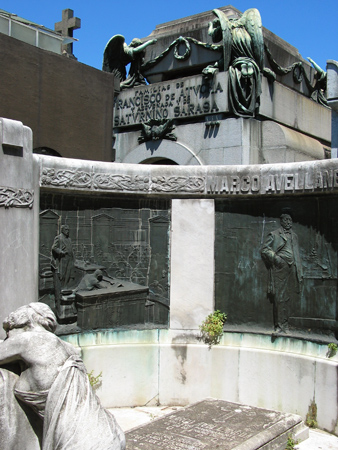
310	26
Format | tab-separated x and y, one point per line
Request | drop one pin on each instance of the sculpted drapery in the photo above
50	404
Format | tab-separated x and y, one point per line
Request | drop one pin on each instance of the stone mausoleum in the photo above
191	113
133	256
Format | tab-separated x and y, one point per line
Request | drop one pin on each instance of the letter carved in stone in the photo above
16	197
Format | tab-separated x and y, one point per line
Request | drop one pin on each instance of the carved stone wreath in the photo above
187	51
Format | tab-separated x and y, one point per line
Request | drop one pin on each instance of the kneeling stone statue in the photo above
48	403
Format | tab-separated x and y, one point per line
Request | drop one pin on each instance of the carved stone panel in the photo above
277	277
16	198
216	424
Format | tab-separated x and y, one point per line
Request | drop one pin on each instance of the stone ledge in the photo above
79	176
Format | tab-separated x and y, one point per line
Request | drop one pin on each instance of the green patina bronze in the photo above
243	56
117	55
154	130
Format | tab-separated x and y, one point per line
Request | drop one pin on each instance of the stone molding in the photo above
178	181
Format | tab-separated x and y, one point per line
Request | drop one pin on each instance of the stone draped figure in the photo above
117	55
48	403
243	57
280	254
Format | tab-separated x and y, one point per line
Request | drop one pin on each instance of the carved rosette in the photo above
66	178
178	184
110	182
16	197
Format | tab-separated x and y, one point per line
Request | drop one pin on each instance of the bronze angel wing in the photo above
252	22
114	57
226	37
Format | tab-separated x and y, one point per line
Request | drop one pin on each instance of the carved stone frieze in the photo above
178	184
115	182
16	197
66	178
265	180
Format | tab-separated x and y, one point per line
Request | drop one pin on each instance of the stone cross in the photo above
66	27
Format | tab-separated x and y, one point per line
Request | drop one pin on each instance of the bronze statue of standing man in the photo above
280	254
62	263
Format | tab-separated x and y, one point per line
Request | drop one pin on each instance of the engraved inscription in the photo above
168	101
169	441
326	179
211	424
233	184
299	181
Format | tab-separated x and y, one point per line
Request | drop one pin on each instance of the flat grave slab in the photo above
217	424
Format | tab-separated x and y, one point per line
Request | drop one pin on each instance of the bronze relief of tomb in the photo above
104	265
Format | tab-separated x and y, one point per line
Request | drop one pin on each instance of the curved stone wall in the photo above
170	367
199	210
213	208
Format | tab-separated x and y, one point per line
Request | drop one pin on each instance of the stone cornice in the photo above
67	175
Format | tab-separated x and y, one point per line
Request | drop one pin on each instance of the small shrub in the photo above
311	416
290	445
95	381
212	328
331	349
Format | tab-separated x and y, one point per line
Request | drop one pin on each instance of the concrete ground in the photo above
129	418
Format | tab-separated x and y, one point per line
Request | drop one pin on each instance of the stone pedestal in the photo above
19	207
192	256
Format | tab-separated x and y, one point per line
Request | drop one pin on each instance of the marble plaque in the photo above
217	424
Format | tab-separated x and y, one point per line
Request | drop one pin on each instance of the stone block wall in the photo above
68	105
290	127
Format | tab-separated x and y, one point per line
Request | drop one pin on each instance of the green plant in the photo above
290	445
311	416
212	328
332	349
95	381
